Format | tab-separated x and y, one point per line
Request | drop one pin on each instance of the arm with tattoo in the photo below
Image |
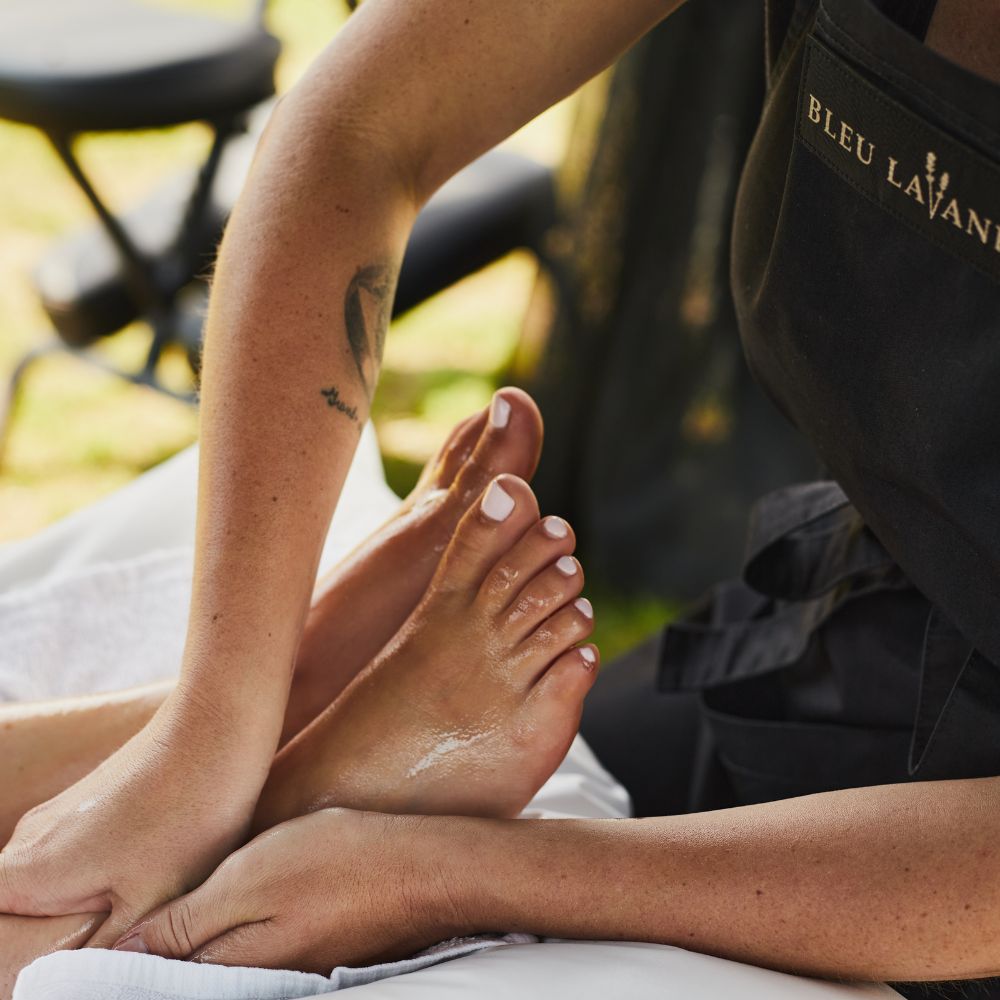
367	310
406	95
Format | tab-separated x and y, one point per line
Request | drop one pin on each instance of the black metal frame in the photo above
449	241
152	281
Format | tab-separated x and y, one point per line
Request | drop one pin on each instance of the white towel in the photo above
101	975
99	601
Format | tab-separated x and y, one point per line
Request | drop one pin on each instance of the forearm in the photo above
299	310
407	94
896	883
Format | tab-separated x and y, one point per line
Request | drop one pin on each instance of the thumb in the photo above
255	944
180	927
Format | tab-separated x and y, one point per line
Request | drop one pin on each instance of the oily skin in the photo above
24	939
363	602
443	719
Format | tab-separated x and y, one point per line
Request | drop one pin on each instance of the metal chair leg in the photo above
8	407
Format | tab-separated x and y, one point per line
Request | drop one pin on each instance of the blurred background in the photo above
615	313
81	432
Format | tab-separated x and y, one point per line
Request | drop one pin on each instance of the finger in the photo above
178	928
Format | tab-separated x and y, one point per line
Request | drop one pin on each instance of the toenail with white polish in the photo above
499	412
584	607
498	503
566	566
588	654
555	527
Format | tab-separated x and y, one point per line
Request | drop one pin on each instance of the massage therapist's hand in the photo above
148	824
331	888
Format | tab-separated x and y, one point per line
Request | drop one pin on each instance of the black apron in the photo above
866	261
861	645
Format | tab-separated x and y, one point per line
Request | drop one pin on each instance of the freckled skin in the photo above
365	600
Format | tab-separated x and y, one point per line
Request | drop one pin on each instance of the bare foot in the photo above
23	939
367	597
475	702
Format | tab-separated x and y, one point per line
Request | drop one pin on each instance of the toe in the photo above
555	703
511	441
570	677
457	450
553	637
489	528
541	546
553	588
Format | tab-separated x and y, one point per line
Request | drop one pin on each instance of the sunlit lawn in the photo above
80	433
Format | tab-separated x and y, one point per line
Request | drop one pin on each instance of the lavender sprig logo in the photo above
913	176
935	188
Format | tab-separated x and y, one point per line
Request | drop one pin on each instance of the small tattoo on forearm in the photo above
367	310
334	401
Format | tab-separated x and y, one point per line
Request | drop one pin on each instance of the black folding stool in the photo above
60	72
69	67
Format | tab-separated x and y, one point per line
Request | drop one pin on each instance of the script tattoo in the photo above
334	401
367	309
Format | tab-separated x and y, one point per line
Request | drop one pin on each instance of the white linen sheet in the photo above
99	602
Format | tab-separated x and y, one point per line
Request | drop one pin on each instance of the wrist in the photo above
440	851
235	690
493	876
207	722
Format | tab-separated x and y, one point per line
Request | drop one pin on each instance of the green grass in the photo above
81	433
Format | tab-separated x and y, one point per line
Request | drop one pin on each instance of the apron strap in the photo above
945	660
695	656
806	540
698	655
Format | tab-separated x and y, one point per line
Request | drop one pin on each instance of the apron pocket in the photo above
767	760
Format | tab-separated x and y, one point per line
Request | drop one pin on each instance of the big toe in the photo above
490	527
510	441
